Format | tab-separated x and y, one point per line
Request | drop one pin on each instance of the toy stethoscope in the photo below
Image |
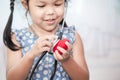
55	63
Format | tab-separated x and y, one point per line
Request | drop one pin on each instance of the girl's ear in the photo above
25	4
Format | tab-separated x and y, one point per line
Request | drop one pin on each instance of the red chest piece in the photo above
60	43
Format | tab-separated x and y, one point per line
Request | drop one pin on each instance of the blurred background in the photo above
98	23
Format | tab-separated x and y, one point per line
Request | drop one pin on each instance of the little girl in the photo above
25	46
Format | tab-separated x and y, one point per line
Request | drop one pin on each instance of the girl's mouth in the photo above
50	21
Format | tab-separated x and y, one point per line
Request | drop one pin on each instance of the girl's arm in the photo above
17	66
76	66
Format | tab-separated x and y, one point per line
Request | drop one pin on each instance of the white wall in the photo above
98	23
3	17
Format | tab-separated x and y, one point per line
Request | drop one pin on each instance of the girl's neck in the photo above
40	32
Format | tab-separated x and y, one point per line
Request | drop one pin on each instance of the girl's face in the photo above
46	14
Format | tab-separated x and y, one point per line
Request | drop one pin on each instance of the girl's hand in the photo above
65	53
42	44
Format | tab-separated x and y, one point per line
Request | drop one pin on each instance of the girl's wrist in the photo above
30	56
66	59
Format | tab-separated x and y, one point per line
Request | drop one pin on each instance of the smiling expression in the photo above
46	14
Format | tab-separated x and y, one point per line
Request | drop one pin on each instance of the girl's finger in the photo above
63	51
69	46
57	56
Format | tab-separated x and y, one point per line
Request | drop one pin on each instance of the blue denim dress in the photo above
45	67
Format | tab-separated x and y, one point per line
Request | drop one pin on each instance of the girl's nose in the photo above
50	11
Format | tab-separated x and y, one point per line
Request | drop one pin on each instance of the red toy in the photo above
60	43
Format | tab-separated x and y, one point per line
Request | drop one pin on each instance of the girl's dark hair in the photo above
7	38
7	34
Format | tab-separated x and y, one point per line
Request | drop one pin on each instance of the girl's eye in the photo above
58	4
41	6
